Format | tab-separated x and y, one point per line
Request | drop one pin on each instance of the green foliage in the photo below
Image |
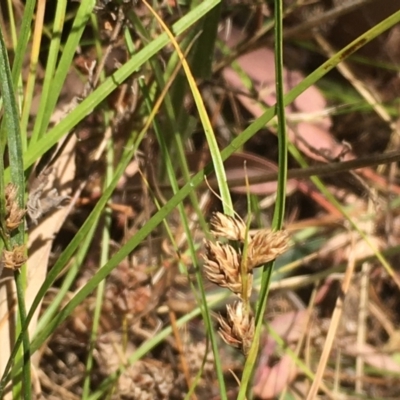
197	30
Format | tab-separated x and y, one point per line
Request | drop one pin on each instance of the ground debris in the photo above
40	200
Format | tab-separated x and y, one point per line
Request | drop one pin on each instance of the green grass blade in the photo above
22	42
105	250
198	178
47	90
82	17
94	99
10	127
208	129
181	25
279	211
204	53
68	280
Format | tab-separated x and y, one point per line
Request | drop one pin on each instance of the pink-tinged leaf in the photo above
271	380
259	65
312	138
290	326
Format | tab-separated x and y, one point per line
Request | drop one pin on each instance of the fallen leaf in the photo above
39	247
271	380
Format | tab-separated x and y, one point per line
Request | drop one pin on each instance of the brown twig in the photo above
320	169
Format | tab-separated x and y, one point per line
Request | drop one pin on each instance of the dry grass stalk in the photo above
225	266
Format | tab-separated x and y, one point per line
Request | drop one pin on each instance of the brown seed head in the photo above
14	218
228	227
14	214
222	267
265	246
225	331
11	195
238	329
15	258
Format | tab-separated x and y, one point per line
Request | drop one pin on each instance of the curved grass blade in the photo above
198	178
94	99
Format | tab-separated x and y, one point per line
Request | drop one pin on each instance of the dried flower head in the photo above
11	195
238	329
14	214
15	258
228	227
265	246
222	267
14	219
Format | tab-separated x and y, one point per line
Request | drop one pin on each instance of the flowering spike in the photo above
228	227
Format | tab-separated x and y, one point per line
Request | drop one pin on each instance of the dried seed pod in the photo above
222	267
15	258
228	227
238	329
14	214
11	195
15	218
265	246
